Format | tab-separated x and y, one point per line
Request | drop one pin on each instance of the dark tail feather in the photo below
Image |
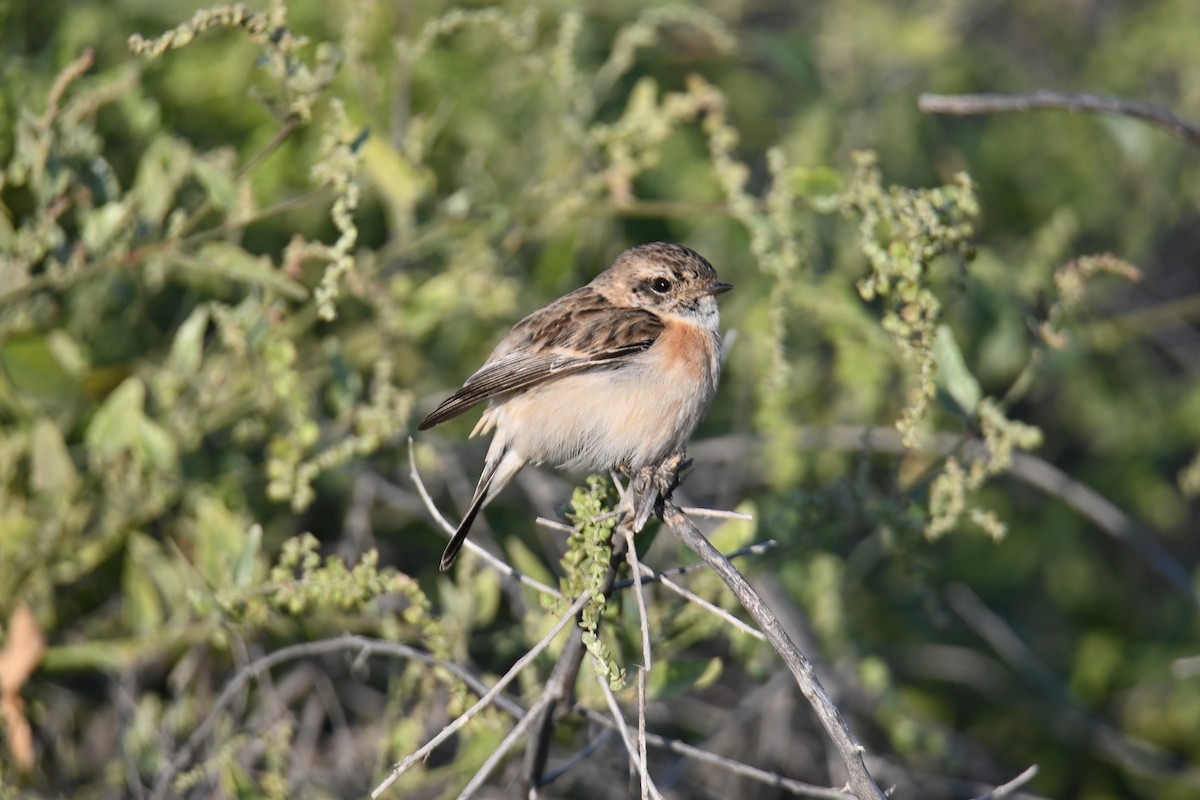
497	472
464	527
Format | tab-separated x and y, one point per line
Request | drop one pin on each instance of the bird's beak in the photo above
719	288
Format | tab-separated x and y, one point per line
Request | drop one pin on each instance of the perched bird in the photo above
617	374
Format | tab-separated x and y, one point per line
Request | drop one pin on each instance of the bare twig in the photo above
282	135
972	104
913	782
366	647
851	752
1007	789
553	525
644	619
582	755
641	734
563	527
448	529
277	141
622	728
650	574
615	477
484	701
716	513
798	788
749	550
498	754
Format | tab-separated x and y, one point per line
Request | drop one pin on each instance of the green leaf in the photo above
187	350
670	679
231	261
19	542
52	467
244	569
487	597
218	545
400	183
953	377
102	224
162	169
121	424
110	429
36	375
141	605
524	559
218	182
153	441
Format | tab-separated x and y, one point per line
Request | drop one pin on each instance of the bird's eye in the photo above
661	285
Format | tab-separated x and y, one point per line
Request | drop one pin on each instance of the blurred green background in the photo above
234	275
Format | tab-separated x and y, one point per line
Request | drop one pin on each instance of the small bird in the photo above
617	374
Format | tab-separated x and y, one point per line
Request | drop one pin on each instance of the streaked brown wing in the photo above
576	333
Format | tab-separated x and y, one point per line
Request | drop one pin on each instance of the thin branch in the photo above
616	479
500	752
277	141
578	758
798	788
623	729
641	735
635	566
448	529
224	228
912	782
851	752
700	601
282	135
563	527
1007	789
716	513
644	619
656	576
749	550
367	647
553	525
524	661
973	104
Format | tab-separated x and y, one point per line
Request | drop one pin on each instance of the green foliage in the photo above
236	256
902	231
586	564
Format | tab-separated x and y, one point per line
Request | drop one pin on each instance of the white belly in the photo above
630	417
